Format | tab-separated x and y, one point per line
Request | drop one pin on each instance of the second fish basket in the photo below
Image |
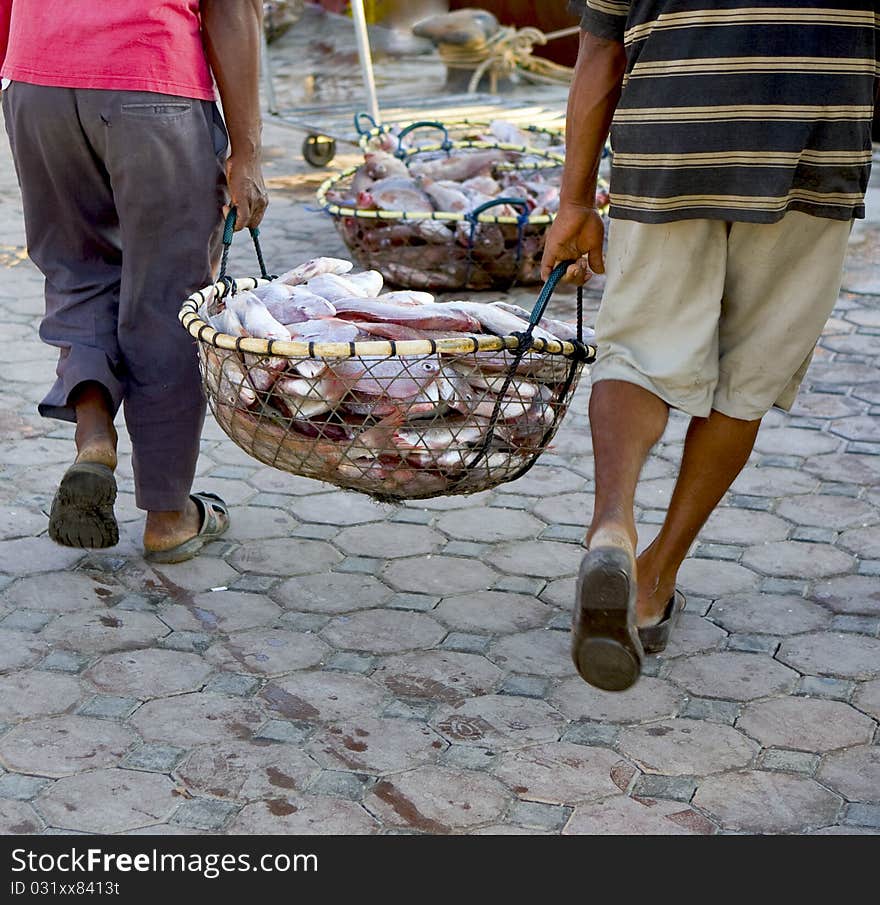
453	215
395	420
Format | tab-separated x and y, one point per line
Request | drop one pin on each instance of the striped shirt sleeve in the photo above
606	18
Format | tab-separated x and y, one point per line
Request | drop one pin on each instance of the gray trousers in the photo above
123	194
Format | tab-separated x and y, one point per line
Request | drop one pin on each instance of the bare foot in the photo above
165	530
654	591
95	434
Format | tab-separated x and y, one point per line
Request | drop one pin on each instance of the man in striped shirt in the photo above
741	133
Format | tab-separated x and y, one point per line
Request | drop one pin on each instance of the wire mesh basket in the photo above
493	245
394	420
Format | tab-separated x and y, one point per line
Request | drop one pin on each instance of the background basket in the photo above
405	420
445	250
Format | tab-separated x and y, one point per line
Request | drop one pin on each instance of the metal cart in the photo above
326	125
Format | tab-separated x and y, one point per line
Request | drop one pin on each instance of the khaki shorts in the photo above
714	315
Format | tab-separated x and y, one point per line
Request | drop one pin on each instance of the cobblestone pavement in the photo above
337	666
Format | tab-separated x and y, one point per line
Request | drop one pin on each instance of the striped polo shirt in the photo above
741	109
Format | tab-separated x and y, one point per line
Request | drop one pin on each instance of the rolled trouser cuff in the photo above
76	366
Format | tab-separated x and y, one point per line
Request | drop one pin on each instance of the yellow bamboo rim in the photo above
189	316
552	160
378	131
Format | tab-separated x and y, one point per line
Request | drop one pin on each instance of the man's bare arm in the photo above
578	231
232	40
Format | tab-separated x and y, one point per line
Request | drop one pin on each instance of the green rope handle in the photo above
228	235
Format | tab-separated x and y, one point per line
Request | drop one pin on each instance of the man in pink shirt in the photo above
121	155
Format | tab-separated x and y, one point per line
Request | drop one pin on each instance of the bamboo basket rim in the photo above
388	129
199	329
553	160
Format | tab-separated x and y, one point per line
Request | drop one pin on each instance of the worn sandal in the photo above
654	638
215	521
82	510
605	645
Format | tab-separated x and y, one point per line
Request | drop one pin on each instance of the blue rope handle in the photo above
446	144
473	218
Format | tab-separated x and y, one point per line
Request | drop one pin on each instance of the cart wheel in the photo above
318	150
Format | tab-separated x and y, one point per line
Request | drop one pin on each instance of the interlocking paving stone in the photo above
409	710
498	721
149	673
187	642
254	584
63	661
673	788
489	525
687	747
692	635
233	683
466	548
789	761
338	508
492	611
736	526
375	745
849	594
383	631
770	614
108	707
468	643
108	801
562	772
246	771
757	644
61	745
436	799
708	578
622	815
537	558
412	516
796	558
294	815
392	542
826	687
805	724
197	719
865	815
195	575
865	625
732	676
18	818
57	592
864	542
21	787
845	467
539	816
591	733
256	522
285	556
854	773
791	441
773	482
204	814
439	575
296	732
269	652
331	593
468	757
830	653
418	603
867	698
440	675
351	661
103	631
538	652
30	555
766	802
711	710
322	696
336	784
727	552
518	584
26	621
28	694
525	686
154	758
648	699
221	611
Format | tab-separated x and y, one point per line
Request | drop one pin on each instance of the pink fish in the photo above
300	305
424	317
406	297
400	377
313	268
397	332
381	165
400	194
460	167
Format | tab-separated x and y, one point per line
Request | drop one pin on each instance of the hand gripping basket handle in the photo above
446	144
228	234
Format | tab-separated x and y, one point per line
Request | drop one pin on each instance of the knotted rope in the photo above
509	50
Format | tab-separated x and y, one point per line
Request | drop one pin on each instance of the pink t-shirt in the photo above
132	45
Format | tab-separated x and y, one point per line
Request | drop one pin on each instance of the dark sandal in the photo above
215	521
605	645
82	510
654	638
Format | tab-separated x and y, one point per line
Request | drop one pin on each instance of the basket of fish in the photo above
325	373
469	214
